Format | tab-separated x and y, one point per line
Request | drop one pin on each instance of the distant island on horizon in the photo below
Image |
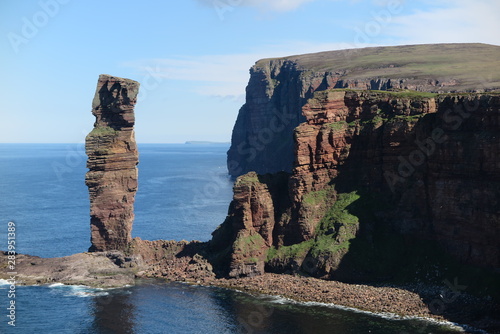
202	142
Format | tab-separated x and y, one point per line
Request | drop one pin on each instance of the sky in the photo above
192	57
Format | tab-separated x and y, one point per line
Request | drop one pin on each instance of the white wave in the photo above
4	282
385	315
84	294
79	290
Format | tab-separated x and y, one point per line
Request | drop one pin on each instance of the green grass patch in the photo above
333	227
295	251
338	213
246	244
337	126
407	94
316	197
408	118
327	245
249	246
101	131
248	179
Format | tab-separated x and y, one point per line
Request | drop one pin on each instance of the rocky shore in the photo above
447	303
185	264
324	224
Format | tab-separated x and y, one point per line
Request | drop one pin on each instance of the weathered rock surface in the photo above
112	163
371	167
434	159
279	88
173	260
248	231
97	269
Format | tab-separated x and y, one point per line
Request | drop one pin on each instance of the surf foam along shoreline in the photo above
282	300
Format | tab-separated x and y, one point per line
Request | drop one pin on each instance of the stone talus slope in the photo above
279	88
367	164
112	163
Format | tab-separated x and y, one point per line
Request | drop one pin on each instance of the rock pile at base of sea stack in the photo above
112	163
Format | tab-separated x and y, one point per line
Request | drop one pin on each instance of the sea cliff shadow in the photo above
396	244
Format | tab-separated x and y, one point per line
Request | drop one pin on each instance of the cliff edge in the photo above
280	87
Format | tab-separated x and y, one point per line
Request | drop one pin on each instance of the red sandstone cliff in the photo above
112	163
279	88
373	169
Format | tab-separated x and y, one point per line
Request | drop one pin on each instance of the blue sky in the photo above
192	57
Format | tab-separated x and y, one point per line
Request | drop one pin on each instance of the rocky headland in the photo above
280	87
386	201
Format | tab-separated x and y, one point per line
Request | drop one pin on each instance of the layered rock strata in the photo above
279	88
258	206
112	162
373	168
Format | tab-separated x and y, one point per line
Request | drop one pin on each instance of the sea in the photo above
184	193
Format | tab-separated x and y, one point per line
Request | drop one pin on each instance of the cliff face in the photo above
433	161
258	207
375	174
279	88
112	160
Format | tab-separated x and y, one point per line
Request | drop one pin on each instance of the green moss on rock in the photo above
101	131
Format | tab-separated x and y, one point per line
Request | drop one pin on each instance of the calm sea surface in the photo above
184	193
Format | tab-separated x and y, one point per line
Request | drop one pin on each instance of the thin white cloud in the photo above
265	5
226	76
458	21
276	5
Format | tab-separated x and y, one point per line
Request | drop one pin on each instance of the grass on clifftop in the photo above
407	94
403	94
475	66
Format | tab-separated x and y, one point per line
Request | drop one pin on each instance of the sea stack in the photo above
112	162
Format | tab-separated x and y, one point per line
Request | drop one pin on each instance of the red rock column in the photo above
112	163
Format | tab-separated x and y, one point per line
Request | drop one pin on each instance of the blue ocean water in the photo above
184	192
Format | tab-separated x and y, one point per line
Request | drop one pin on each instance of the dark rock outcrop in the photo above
112	163
279	88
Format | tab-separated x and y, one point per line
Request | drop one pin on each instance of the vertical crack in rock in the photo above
112	163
